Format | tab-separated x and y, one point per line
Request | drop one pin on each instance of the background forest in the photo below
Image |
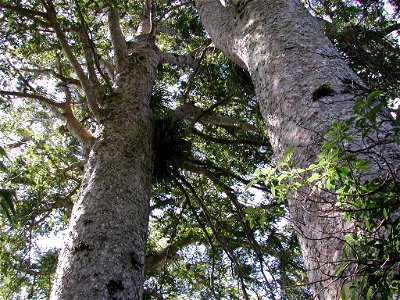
219	226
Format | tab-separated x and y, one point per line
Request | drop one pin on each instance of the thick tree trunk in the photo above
289	59
105	252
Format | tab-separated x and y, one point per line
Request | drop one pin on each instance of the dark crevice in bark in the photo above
114	286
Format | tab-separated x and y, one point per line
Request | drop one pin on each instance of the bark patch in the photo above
82	246
135	260
114	286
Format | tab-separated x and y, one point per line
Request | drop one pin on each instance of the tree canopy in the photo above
210	235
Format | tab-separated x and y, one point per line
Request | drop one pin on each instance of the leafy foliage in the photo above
201	244
369	201
209	238
366	32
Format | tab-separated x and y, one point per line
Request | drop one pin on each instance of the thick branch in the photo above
73	125
390	29
147	21
32	96
218	21
90	63
31	14
167	30
178	60
117	38
90	94
191	112
91	55
64	44
23	141
152	261
64	79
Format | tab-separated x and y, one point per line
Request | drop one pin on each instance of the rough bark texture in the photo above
104	256
289	59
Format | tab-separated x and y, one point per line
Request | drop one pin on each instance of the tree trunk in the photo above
105	252
289	60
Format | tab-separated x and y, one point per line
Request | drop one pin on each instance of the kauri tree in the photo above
124	120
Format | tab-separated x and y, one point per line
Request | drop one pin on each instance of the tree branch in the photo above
146	25
153	260
117	38
87	87
92	57
240	215
196	70
91	64
192	164
28	13
218	236
60	202
52	16
390	29
178	60
191	112
227	141
167	30
67	80
73	125
215	16
32	96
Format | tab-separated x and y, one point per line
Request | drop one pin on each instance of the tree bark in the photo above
104	255
289	60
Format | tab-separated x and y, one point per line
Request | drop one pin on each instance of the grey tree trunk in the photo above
105	252
289	59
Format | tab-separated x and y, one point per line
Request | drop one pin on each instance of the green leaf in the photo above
349	239
273	191
251	222
286	157
313	177
340	269
344	294
6	203
299	170
251	183
385	213
369	293
373	95
3	152
373	112
330	184
329	145
282	176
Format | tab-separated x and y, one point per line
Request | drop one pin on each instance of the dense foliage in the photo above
369	202
210	237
